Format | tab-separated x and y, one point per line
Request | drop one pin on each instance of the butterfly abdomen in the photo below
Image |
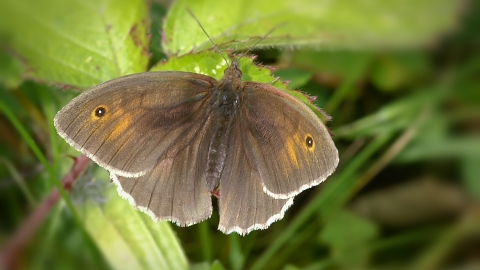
224	106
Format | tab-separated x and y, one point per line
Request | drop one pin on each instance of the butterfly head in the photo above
233	72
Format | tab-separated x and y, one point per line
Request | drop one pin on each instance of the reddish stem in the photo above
11	252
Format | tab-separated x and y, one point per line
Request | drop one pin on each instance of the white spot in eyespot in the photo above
197	69
88	59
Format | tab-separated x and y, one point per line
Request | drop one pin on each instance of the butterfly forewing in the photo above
140	117
292	148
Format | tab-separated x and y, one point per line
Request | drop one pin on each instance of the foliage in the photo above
400	79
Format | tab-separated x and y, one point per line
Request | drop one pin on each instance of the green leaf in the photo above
452	147
346	229
335	24
394	116
297	77
399	69
11	71
157	16
216	265
348	235
77	43
341	65
213	64
470	172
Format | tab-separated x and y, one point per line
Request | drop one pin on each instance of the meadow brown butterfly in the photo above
172	139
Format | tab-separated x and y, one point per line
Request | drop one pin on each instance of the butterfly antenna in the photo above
203	29
263	38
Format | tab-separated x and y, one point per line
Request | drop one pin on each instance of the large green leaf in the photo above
333	24
76	43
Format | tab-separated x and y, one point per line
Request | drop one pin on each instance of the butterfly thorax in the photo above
224	107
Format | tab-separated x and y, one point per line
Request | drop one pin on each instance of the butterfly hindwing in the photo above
243	205
175	189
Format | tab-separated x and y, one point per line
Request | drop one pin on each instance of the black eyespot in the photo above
309	141
100	111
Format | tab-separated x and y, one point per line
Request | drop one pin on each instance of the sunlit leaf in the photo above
76	43
333	24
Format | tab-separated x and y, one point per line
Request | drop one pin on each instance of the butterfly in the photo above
172	139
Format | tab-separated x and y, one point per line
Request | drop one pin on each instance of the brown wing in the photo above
243	204
175	189
291	147
142	116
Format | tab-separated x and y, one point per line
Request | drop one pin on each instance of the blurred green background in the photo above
401	80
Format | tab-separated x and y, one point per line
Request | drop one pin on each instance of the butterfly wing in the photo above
243	205
291	147
126	124
175	189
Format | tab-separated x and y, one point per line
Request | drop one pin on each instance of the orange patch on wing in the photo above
290	145
121	126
